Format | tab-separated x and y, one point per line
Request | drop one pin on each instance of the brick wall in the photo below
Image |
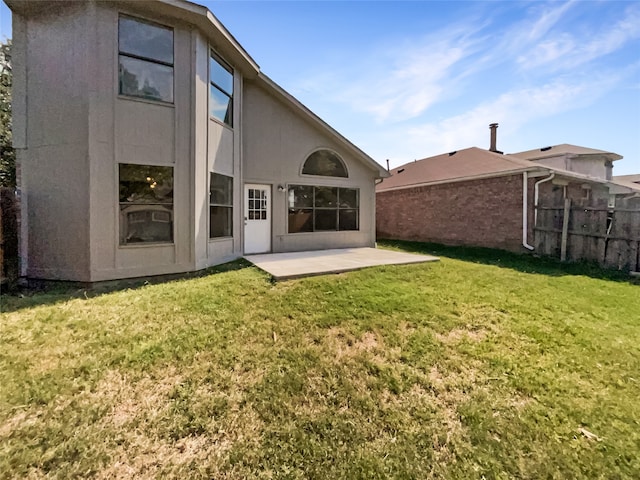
483	213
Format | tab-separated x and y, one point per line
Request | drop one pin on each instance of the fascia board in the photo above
503	173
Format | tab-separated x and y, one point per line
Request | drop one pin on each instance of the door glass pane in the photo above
257	204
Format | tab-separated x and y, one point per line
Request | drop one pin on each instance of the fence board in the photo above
609	236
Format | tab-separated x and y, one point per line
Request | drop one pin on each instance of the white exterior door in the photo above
257	218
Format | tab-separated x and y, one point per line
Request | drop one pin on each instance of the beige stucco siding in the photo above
199	165
592	165
55	173
276	142
136	131
73	130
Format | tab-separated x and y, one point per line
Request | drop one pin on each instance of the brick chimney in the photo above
494	133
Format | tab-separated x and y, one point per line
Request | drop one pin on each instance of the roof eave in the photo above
189	12
466	178
534	157
220	38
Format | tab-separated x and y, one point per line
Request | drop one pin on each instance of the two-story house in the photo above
149	142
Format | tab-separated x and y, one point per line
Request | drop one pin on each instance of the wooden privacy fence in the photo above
8	237
609	235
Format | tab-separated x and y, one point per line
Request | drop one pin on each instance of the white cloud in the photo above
513	110
570	49
402	82
547	20
401	78
410	84
527	69
548	51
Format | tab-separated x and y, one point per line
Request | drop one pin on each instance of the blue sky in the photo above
408	80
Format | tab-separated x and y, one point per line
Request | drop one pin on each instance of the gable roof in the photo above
563	149
464	164
475	163
634	178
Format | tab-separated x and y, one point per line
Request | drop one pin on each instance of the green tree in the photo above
7	153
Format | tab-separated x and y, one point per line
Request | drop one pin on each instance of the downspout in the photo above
525	210
535	197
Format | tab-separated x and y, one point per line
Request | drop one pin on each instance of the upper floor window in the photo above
221	91
146	59
324	163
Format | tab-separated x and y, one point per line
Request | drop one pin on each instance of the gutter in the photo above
525	209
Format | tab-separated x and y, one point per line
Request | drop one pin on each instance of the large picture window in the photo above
146	204
220	206
221	91
314	209
146	59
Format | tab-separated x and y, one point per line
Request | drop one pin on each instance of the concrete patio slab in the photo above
284	266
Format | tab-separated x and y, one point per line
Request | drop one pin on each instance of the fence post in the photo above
565	229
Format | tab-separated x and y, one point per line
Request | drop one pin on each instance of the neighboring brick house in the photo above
470	197
477	197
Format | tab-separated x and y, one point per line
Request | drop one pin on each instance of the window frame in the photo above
138	206
317	175
151	60
228	206
213	56
315	208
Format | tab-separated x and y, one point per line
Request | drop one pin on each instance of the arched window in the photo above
324	163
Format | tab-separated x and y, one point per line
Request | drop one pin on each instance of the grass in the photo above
484	365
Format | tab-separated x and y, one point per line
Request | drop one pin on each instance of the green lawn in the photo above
483	365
